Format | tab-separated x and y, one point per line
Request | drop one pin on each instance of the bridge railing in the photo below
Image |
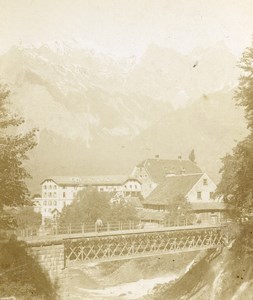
86	228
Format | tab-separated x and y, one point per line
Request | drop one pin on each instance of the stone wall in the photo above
50	257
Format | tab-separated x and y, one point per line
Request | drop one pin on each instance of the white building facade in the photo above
57	192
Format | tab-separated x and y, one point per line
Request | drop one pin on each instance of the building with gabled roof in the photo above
58	191
152	172
171	187
198	189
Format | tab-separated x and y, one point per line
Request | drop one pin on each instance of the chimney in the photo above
157	156
180	157
182	171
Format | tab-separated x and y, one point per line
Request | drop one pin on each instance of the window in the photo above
199	195
55	187
55	203
45	203
50	187
45	187
45	195
50	195
211	195
64	186
64	195
136	187
50	203
205	181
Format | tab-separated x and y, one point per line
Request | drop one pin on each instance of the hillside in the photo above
99	115
212	126
225	275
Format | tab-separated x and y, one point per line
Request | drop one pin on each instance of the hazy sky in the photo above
127	27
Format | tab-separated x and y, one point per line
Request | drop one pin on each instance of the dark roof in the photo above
106	179
171	187
135	201
208	206
159	168
91	180
151	215
64	180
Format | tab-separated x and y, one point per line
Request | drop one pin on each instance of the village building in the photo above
58	191
198	190
151	172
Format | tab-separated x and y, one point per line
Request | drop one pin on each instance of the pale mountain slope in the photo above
69	94
101	115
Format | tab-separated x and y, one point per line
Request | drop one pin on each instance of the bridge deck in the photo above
58	239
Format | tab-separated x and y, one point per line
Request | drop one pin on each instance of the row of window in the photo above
53	195
54	187
131	186
50	187
50	203
199	195
145	176
102	189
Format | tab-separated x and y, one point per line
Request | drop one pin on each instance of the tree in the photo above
13	152
88	206
123	211
20	275
244	92
236	185
179	207
26	217
192	156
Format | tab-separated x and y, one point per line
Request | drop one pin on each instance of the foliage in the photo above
236	185
178	208
192	156
26	217
88	206
244	93
21	276
13	151
123	211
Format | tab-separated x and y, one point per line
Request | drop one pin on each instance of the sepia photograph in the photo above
126	150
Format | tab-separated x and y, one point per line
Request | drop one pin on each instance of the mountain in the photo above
212	126
170	76
98	115
74	93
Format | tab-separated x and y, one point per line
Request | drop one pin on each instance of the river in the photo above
132	290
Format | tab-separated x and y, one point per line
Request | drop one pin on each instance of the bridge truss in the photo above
118	247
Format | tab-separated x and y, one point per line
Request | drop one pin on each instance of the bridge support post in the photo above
50	258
